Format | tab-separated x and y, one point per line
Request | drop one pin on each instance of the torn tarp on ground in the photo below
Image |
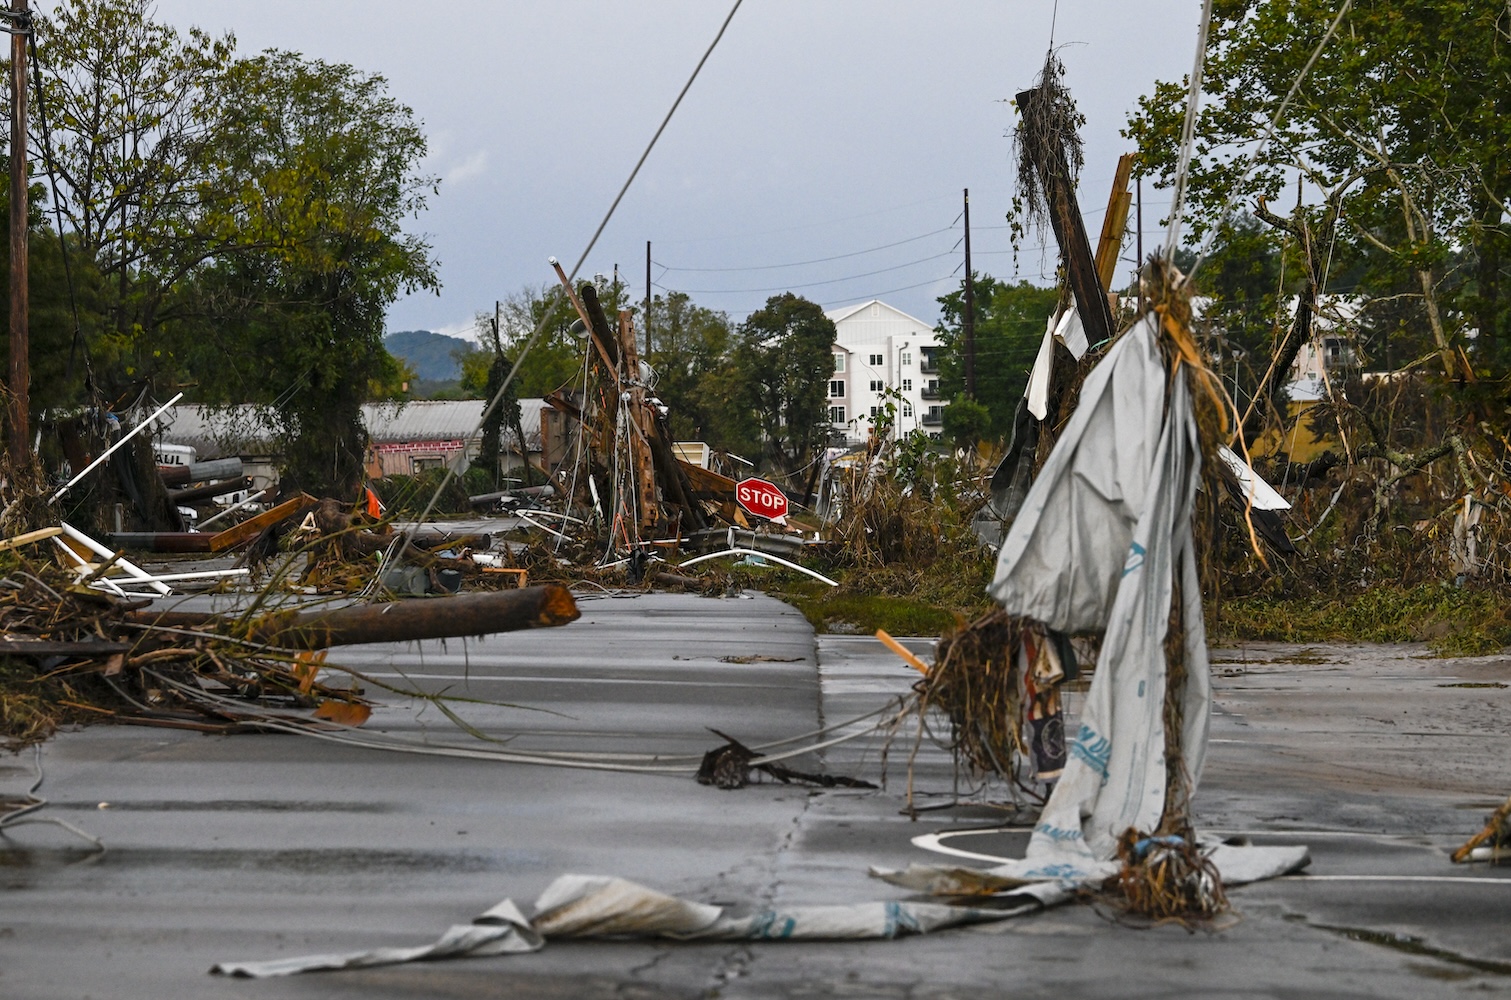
596	906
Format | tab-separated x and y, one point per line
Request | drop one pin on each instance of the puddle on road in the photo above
1416	946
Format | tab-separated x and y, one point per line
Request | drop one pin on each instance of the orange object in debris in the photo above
374	505
343	713
903	651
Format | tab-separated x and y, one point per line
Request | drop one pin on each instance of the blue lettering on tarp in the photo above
1056	833
1053	871
1135	558
1093	749
899	921
771	926
1140	689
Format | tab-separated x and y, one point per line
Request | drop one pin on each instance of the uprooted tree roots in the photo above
975	683
1167	878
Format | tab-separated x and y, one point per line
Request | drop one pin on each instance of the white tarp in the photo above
1096	545
594	906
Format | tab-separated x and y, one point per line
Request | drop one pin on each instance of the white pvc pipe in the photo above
537	511
197	575
111	450
100	550
254	498
763	555
542	527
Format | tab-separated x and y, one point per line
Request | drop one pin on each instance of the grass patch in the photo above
1455	621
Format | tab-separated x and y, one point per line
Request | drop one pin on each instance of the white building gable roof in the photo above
892	313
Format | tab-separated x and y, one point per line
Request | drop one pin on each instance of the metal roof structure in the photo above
248	429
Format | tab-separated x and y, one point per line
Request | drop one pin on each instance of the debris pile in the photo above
73	653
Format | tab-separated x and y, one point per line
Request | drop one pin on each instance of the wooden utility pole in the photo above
647	300
20	341
1070	234
970	308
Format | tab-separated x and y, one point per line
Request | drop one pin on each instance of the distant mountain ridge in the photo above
429	354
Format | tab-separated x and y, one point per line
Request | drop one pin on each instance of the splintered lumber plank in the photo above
1114	223
707	485
253	526
542	606
29	537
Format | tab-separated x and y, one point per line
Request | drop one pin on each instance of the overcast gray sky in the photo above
818	128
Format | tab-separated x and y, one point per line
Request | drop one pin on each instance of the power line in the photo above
540	328
806	225
816	284
816	260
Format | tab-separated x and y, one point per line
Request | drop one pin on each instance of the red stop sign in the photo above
761	498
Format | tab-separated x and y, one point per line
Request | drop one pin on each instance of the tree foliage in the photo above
247	216
314	175
1403	123
781	367
689	346
1010	320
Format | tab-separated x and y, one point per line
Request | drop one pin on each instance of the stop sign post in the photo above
761	498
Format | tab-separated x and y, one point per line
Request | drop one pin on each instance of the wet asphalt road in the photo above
266	846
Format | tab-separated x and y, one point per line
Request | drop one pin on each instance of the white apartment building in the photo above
879	348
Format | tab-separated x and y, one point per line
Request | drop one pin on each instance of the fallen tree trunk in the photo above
542	606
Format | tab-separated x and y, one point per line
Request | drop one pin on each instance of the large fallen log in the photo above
200	472
541	606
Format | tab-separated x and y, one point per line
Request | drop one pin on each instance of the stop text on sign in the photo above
761	498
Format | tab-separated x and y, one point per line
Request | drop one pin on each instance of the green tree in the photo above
132	110
1010	320
689	345
1403	124
313	175
59	362
556	359
780	372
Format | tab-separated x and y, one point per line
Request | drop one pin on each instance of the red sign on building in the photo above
761	498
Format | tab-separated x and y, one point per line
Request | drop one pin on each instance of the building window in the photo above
907	408
906	360
907	385
873	413
837	389
877	359
839	364
836	414
876	385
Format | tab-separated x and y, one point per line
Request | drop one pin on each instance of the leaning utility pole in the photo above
20	362
1065	220
970	308
647	300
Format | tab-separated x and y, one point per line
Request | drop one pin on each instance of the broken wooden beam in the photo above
254	526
